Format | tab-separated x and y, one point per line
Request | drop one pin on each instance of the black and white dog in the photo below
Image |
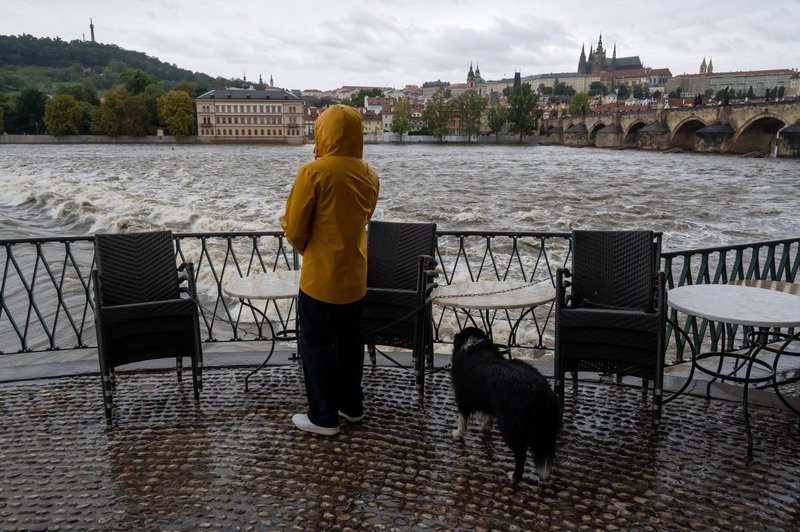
527	411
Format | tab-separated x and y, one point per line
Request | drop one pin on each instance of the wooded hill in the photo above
44	63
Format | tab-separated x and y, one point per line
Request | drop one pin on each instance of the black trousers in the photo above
332	350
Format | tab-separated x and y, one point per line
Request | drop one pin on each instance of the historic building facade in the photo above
269	115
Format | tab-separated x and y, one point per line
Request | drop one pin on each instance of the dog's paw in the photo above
458	434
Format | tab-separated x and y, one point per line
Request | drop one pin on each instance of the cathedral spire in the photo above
703	67
582	60
710	69
599	48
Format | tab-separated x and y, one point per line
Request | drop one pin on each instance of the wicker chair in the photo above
139	312
611	310
397	309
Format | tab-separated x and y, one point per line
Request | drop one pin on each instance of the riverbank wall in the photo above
92	139
386	138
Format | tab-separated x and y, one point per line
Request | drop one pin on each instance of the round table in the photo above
280	284
738	305
486	296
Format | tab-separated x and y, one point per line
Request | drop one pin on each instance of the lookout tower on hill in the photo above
91	28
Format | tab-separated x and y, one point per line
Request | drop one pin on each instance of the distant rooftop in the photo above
270	93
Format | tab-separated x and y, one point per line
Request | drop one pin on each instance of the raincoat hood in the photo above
338	132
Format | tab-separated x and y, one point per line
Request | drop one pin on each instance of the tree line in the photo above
137	104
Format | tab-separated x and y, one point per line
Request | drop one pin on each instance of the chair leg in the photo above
372	354
558	386
657	393
645	386
574	382
106	382
179	366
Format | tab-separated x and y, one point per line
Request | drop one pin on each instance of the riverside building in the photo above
269	115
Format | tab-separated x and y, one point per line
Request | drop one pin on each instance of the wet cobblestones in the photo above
236	462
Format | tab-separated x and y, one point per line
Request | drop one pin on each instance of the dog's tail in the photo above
545	433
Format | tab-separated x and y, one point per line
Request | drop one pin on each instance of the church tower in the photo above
470	77
614	58
582	60
703	67
598	57
710	66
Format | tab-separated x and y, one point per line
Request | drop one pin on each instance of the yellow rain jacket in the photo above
327	211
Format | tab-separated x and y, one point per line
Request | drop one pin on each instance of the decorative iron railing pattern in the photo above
46	304
776	260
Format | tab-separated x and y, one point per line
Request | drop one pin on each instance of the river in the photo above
695	199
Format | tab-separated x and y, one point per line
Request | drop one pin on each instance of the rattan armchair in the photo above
611	310
400	278
139	312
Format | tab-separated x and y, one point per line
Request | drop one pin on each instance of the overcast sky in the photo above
325	44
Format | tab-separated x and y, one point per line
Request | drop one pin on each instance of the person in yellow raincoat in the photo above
329	206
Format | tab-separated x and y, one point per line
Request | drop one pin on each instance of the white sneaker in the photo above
351	419
302	422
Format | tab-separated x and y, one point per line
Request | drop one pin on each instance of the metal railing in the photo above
46	303
776	260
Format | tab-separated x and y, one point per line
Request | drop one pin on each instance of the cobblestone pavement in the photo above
236	462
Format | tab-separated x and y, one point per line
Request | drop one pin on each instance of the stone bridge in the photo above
754	128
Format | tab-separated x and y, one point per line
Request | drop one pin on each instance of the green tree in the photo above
82	92
523	110
437	115
623	92
401	121
750	93
63	115
640	92
120	114
357	100
597	88
781	91
135	80
579	104
29	111
2	113
149	98
469	107
498	116
176	111
186	87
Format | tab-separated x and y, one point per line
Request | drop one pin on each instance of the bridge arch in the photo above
685	133
593	133
629	140
757	134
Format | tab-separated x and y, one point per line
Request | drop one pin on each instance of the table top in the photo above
494	294
280	284
742	305
780	286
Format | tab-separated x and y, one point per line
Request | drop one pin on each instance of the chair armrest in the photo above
147	310
563	299
186	273
389	291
